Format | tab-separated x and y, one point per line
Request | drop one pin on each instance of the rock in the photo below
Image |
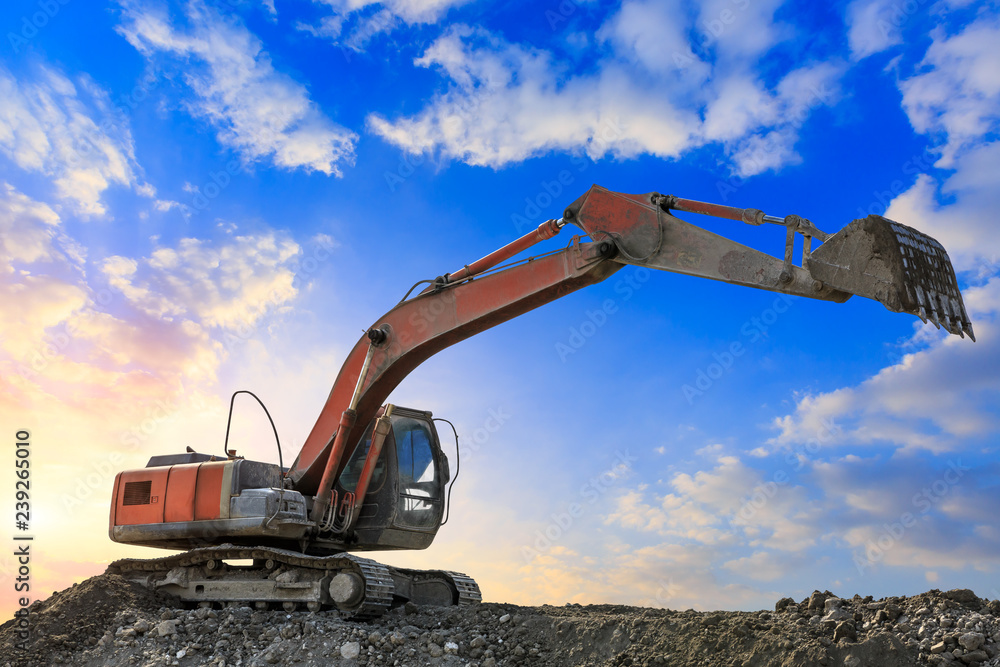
783	604
974	657
836	615
970	641
271	657
435	650
939	647
141	626
962	596
832	603
844	630
477	642
451	648
167	628
505	618
816	600
881	616
350	650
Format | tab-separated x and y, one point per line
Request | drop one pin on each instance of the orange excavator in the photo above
373	476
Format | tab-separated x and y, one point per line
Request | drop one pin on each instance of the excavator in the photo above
373	476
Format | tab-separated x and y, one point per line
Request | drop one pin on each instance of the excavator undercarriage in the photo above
265	534
358	587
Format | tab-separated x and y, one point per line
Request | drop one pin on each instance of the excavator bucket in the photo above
897	265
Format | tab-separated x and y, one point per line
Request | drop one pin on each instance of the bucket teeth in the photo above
906	270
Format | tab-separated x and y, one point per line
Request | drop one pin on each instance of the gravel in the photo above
109	621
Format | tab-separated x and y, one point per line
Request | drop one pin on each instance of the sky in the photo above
207	196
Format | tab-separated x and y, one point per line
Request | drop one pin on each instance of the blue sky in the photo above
202	197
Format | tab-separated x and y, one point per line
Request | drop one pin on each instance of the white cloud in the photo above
256	110
872	26
957	90
741	30
650	34
509	103
730	503
936	399
355	22
229	285
911	512
68	132
966	225
164	326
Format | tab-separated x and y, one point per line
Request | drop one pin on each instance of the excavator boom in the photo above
875	258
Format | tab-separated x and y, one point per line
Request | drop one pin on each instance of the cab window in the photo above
419	486
352	473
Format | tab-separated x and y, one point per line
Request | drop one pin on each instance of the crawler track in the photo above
309	576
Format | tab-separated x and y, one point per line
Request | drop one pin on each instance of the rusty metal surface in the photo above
648	236
901	267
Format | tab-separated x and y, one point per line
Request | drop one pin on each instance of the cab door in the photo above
421	475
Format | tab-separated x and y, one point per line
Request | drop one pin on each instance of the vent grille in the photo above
137	493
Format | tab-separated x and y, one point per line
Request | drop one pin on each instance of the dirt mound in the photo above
109	621
75	618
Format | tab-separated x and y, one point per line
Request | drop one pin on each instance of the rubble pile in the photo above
109	621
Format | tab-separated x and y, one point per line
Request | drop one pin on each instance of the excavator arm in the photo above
245	516
876	258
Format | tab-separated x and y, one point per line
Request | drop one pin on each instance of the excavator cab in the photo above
405	500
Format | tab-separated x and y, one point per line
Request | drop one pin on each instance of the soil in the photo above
107	620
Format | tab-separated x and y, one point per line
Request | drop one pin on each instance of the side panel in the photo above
139	496
209	492
179	504
114	507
